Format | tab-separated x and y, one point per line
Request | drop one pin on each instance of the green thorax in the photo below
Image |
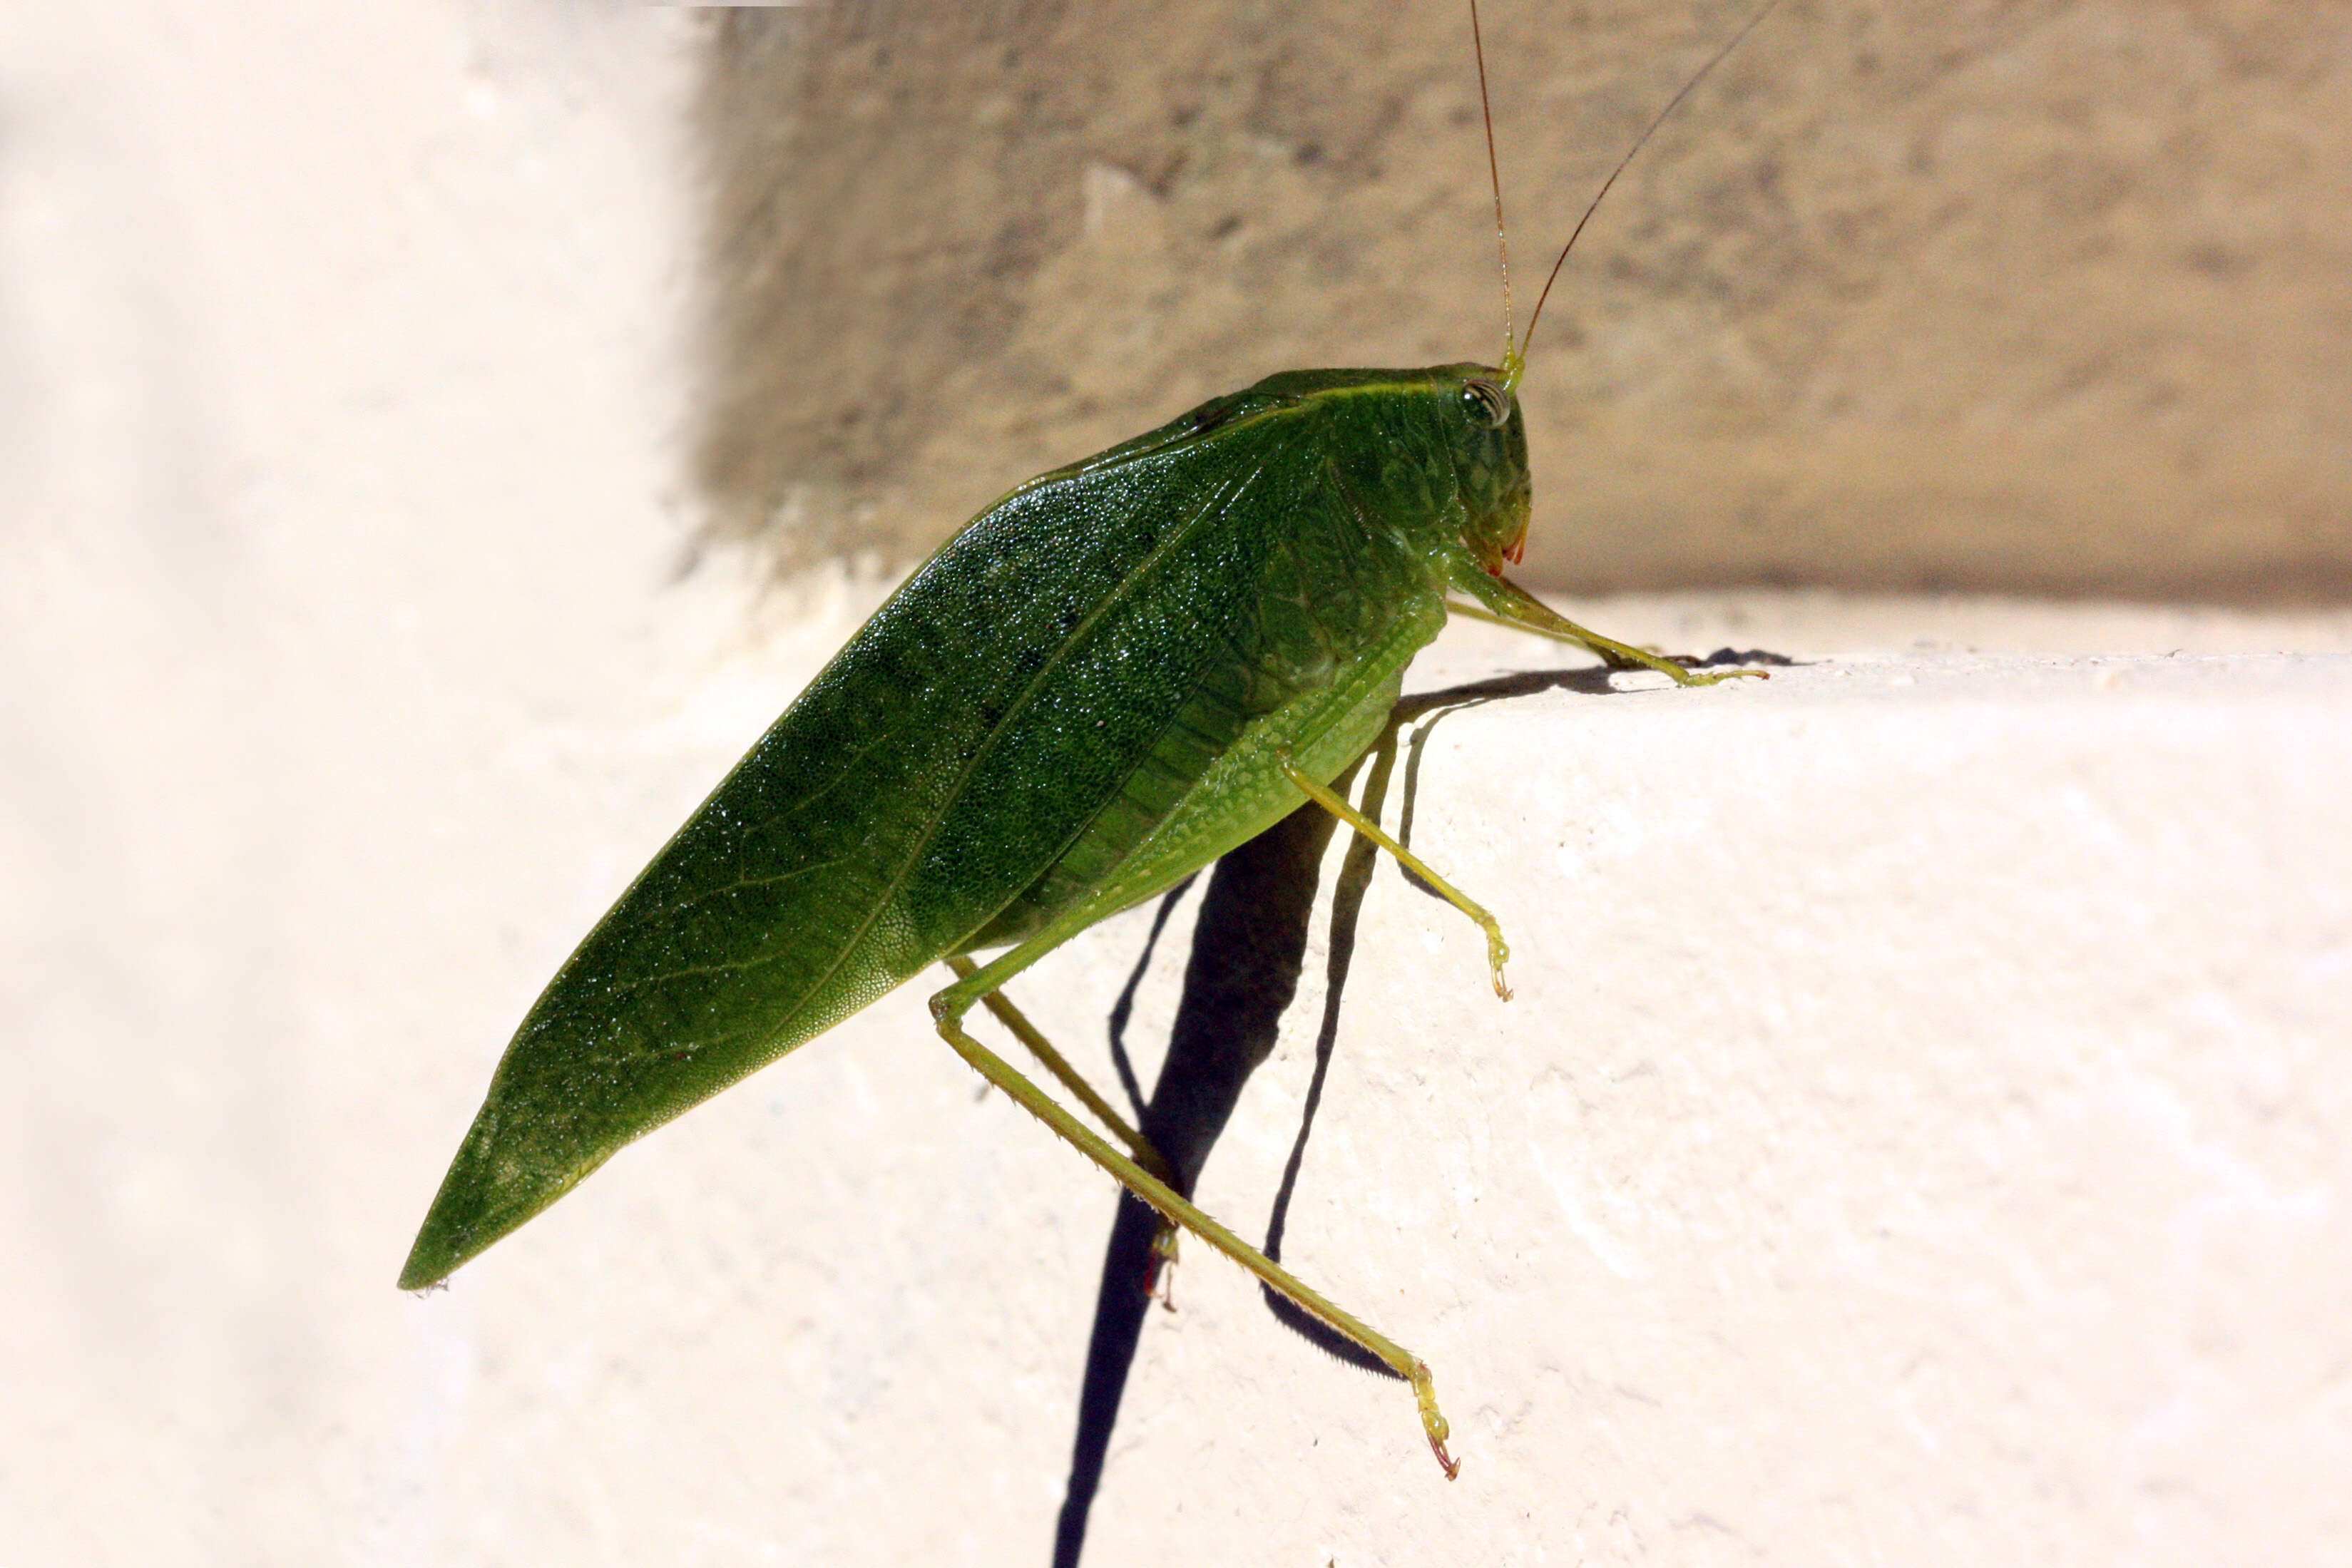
1421	451
1378	491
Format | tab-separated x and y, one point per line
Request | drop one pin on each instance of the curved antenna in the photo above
1495	178
1672	104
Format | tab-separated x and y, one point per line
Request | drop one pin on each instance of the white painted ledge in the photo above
1922	1133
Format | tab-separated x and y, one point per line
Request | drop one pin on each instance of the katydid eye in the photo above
1484	401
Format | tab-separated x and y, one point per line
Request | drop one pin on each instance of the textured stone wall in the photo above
2048	295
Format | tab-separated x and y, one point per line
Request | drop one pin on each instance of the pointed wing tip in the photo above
442	1244
490	1192
429	1265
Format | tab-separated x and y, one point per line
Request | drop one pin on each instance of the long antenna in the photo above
1672	104
1495	178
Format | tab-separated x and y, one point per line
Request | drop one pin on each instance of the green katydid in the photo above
1108	679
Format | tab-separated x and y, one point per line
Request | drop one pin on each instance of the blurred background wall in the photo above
2046	297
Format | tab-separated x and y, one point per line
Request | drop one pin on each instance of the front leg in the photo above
1506	603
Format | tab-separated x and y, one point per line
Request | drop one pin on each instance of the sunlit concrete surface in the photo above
1921	1132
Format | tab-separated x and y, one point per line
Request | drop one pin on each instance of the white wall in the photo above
1921	1133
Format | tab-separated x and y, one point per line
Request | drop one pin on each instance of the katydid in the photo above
1108	679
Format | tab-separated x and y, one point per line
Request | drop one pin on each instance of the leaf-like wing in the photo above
966	734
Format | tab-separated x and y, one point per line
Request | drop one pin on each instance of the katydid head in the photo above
1451	436
1489	440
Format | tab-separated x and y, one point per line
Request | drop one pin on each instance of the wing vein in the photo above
1218	502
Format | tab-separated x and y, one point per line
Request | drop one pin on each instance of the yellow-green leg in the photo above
1506	603
1068	1076
948	1008
1163	1245
1498	952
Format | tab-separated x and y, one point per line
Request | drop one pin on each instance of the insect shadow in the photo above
1249	948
